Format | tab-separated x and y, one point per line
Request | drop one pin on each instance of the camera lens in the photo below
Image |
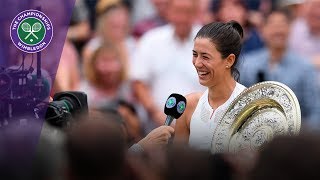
64	106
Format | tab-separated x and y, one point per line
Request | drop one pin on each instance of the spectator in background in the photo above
79	30
294	6
67	77
157	20
186	164
162	63
305	34
49	160
68	73
141	9
91	6
204	14
105	77
226	10
277	160
112	27
96	149
277	63
107	87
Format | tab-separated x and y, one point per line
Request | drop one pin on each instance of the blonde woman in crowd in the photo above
112	26
107	87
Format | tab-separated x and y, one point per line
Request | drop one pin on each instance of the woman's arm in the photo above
182	130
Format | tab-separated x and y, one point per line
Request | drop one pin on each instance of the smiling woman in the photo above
216	51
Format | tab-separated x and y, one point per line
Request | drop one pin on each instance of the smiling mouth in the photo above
202	73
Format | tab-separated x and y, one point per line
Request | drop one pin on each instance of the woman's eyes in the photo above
205	57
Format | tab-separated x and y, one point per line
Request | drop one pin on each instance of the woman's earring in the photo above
227	66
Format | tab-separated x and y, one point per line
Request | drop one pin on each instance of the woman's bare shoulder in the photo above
192	101
193	98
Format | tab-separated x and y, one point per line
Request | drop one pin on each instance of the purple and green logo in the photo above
31	31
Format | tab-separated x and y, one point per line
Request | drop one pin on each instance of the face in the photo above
116	24
204	15
108	66
207	60
181	13
161	7
231	11
276	31
313	15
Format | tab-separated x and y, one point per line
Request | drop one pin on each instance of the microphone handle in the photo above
169	120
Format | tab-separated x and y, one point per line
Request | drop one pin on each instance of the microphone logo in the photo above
171	102
181	107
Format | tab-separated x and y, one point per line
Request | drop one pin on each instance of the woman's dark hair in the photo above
227	39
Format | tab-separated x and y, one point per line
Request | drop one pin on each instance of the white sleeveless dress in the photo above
204	119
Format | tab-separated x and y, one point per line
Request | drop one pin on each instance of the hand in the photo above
157	138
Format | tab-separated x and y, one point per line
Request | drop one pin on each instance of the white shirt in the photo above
302	41
204	119
165	64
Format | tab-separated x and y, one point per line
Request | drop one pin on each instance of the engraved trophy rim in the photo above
264	97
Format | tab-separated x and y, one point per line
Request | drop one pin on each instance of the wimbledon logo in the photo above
31	31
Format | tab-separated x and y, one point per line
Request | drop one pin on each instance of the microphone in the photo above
174	107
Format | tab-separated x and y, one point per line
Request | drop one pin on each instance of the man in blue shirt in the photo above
277	63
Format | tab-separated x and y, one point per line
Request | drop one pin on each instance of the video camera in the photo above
24	95
20	92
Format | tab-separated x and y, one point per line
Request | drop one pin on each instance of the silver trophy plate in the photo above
258	114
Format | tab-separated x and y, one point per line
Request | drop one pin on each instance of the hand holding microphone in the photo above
159	137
